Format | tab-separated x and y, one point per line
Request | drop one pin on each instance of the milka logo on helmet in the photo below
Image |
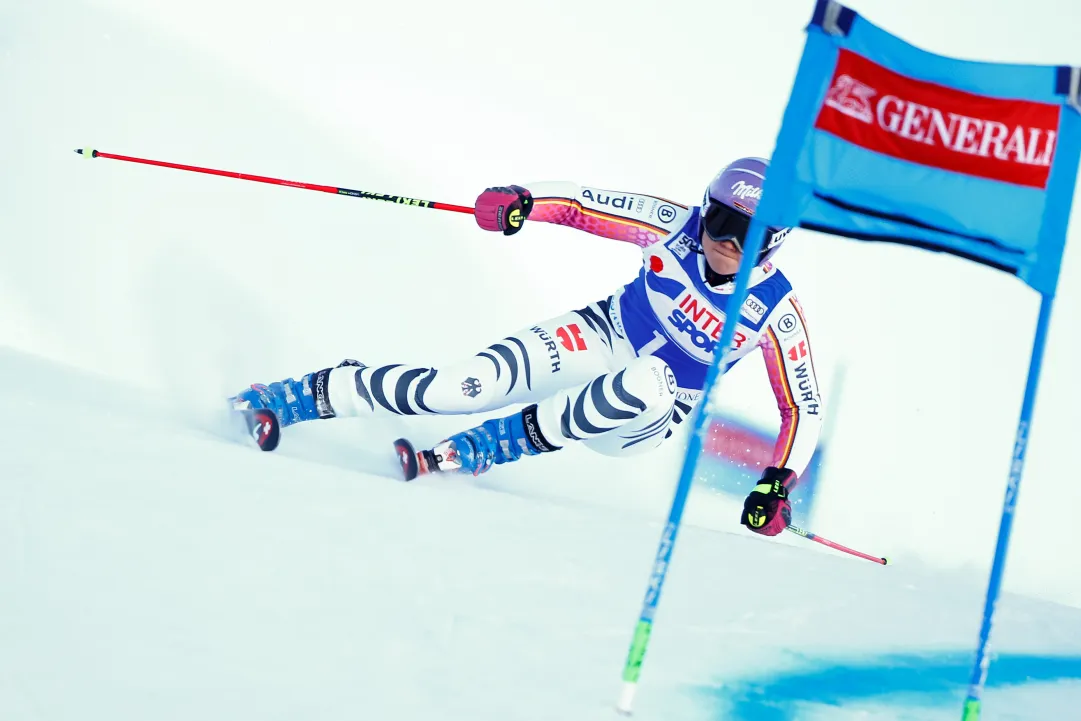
873	107
743	191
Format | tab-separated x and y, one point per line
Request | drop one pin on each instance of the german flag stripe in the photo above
601	215
788	434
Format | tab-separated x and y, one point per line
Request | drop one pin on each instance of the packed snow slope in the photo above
154	567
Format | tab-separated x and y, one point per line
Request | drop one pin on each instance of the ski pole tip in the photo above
87	152
885	561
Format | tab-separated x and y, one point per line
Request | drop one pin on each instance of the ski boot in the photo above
474	451
291	400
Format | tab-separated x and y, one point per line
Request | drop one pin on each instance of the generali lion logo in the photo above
852	98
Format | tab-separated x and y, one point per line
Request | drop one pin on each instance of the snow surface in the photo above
156	569
151	566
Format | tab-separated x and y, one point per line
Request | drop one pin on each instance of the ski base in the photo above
263	427
407	457
413	462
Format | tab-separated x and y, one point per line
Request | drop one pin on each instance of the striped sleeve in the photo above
786	347
630	217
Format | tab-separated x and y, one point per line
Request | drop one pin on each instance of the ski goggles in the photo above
723	223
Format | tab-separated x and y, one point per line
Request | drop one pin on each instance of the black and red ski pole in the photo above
366	194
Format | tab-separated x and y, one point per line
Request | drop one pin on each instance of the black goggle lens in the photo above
723	223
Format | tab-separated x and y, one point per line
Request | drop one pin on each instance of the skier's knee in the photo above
650	380
649	385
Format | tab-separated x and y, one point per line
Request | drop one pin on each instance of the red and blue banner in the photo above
883	141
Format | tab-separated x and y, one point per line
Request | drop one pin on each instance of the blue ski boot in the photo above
494	442
291	400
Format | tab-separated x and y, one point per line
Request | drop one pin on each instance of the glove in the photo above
766	509
503	208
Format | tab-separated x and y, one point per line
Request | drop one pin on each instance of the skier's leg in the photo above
619	412
526	366
639	435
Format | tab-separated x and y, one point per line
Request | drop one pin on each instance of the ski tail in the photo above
262	426
413	462
407	457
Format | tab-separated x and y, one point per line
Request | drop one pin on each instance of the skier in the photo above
615	374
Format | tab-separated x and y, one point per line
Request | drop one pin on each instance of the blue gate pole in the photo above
998	566
707	406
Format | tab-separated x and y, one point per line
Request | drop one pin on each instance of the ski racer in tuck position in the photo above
615	374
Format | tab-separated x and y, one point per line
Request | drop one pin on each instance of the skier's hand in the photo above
766	509
503	208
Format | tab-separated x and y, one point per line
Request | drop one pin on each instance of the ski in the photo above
413	462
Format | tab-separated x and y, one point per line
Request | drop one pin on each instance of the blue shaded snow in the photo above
937	680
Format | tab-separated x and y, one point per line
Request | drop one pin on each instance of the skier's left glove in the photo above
766	509
503	208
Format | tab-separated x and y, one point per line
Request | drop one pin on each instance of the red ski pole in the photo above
398	199
836	546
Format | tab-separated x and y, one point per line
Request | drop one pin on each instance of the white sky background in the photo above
439	100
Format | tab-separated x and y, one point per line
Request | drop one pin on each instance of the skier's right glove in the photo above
766	509
503	208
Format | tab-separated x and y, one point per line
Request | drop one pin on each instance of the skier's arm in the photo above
786	348
630	217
